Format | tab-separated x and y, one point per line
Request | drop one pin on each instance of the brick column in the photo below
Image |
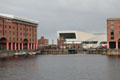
107	45
15	45
31	45
116	44
11	45
7	45
18	46
36	46
22	45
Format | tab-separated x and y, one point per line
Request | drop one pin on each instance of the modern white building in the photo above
99	41
74	36
87	40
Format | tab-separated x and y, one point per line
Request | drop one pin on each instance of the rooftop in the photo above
113	19
18	18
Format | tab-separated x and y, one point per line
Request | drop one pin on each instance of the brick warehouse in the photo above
43	43
113	33
17	33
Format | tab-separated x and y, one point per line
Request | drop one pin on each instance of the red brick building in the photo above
43	41
17	33
60	42
113	33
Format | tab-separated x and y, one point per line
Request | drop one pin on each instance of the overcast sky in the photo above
83	15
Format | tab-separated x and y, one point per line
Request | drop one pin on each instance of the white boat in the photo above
20	53
32	53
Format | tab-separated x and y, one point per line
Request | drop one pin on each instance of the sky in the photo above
53	15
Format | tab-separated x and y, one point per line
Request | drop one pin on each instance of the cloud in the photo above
84	15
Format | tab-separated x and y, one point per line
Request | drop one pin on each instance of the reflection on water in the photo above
61	67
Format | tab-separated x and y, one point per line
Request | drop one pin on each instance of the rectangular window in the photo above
68	35
9	32
20	33
1	25
112	33
112	23
5	26
20	39
13	39
0	31
30	29
5	31
10	27
10	38
13	33
112	38
13	27
112	30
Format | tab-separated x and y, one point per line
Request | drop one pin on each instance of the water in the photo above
61	67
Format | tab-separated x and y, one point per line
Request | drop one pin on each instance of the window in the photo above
20	33
5	31
112	23
13	27
30	29
112	33
20	39
24	34
9	32
13	33
20	28
24	29
5	26
0	31
112	38
10	38
13	39
1	25
112	28
10	27
68	35
103	43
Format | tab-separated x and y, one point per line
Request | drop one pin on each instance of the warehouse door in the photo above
119	43
3	43
25	44
112	45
